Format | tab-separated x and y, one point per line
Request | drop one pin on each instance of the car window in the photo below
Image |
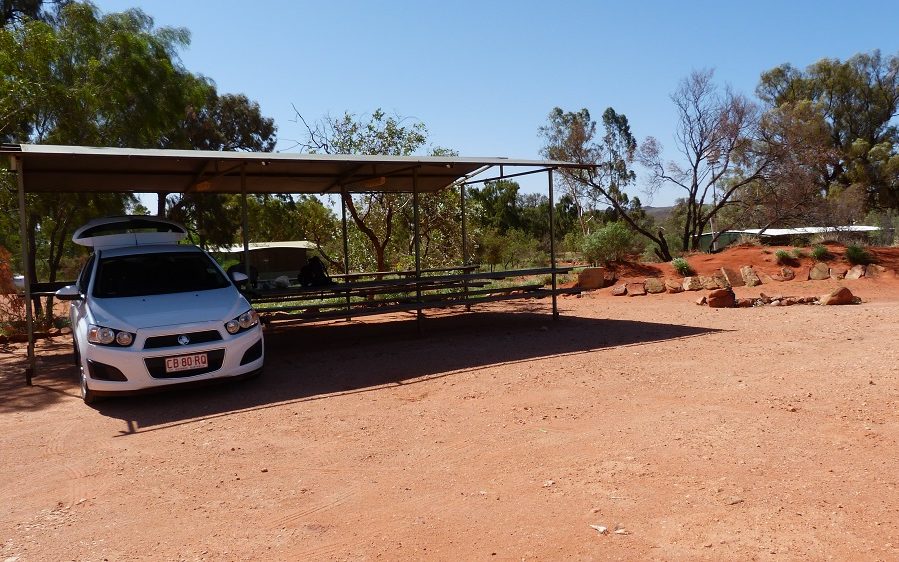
85	274
156	274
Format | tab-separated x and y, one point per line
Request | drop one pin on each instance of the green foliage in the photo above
821	253
782	257
682	267
613	242
856	255
798	253
857	99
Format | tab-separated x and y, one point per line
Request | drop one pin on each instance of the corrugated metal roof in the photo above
800	230
293	244
52	168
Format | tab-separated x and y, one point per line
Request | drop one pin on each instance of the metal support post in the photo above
464	246
415	235
552	245
346	249
18	166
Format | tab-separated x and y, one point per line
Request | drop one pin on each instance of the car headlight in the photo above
243	322
101	335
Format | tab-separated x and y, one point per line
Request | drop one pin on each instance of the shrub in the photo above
856	255
798	253
682	267
821	253
782	257
612	242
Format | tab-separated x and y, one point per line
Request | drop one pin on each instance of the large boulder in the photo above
653	285
855	272
819	272
595	278
838	296
874	270
787	273
749	276
721	298
692	284
674	286
709	282
635	289
734	279
838	272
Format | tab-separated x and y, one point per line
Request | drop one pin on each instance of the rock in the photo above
838	296
709	282
819	272
874	270
802	274
635	289
721	298
701	301
855	272
769	279
692	284
733	278
838	272
619	290
790	301
744	303
749	276
653	285
595	278
787	273
674	286
602	530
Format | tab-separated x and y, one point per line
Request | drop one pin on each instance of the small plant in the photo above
749	240
821	253
856	255
682	267
782	257
798	253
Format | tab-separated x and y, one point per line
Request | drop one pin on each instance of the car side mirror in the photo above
238	277
69	293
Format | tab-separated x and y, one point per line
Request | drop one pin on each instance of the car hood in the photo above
152	311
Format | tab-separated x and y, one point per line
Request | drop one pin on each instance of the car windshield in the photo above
157	274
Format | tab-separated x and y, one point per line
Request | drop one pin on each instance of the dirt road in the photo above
687	432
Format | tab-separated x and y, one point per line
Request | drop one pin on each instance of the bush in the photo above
682	267
856	255
612	242
782	257
821	253
798	253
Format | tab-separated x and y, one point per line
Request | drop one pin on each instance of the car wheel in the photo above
86	393
77	353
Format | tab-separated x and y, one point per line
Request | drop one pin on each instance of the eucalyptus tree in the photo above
571	136
858	100
89	79
374	214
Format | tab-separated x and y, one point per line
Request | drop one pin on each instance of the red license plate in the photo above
186	362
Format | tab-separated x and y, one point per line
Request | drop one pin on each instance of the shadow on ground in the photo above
315	361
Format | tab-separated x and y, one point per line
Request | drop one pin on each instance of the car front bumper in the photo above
237	355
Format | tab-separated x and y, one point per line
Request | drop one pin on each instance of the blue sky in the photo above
484	75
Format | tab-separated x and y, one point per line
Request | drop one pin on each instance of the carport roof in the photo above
52	168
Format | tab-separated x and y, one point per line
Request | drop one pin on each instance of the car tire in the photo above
87	394
77	353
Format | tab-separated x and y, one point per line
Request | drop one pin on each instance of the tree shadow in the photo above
311	362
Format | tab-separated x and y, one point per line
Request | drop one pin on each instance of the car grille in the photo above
156	342
156	366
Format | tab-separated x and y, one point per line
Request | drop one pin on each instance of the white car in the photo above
147	312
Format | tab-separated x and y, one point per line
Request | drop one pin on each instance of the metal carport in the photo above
49	168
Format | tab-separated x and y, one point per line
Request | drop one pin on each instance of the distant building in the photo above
780	236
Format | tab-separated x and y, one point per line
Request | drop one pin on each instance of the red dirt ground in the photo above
696	433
